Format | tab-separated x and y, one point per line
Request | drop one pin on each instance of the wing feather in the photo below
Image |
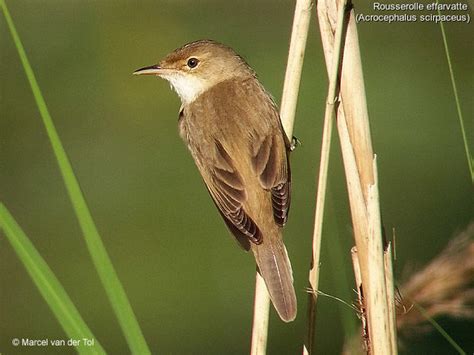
270	163
228	192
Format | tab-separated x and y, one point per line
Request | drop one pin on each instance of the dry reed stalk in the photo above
379	279
360	341
322	179
299	34
390	287
359	163
261	310
291	85
444	287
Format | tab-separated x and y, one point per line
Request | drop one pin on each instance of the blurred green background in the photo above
191	287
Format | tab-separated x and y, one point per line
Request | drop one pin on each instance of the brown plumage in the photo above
233	131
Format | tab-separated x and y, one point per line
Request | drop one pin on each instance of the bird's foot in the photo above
295	142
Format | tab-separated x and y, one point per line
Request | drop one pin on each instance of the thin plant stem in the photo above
470	158
299	35
294	67
260	317
390	286
103	264
359	165
383	340
322	179
440	330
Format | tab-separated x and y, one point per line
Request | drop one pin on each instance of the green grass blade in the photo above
100	257
48	285
440	330
470	158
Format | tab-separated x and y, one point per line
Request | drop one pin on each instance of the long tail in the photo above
275	268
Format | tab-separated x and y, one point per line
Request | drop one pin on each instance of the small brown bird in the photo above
233	130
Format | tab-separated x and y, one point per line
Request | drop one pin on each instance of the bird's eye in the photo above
193	62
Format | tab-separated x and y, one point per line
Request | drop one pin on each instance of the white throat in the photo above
188	87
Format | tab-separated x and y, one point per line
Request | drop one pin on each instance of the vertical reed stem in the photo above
261	310
361	178
299	34
322	179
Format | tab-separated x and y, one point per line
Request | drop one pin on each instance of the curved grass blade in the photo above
48	285
440	329
470	158
103	264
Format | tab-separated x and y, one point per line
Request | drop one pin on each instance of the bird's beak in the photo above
151	70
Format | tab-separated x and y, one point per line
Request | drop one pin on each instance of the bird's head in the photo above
198	66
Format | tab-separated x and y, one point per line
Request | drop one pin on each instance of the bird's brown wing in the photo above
270	162
228	192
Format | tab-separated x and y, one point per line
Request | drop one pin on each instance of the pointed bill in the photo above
151	70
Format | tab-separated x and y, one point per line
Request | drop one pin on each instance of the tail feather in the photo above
275	268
